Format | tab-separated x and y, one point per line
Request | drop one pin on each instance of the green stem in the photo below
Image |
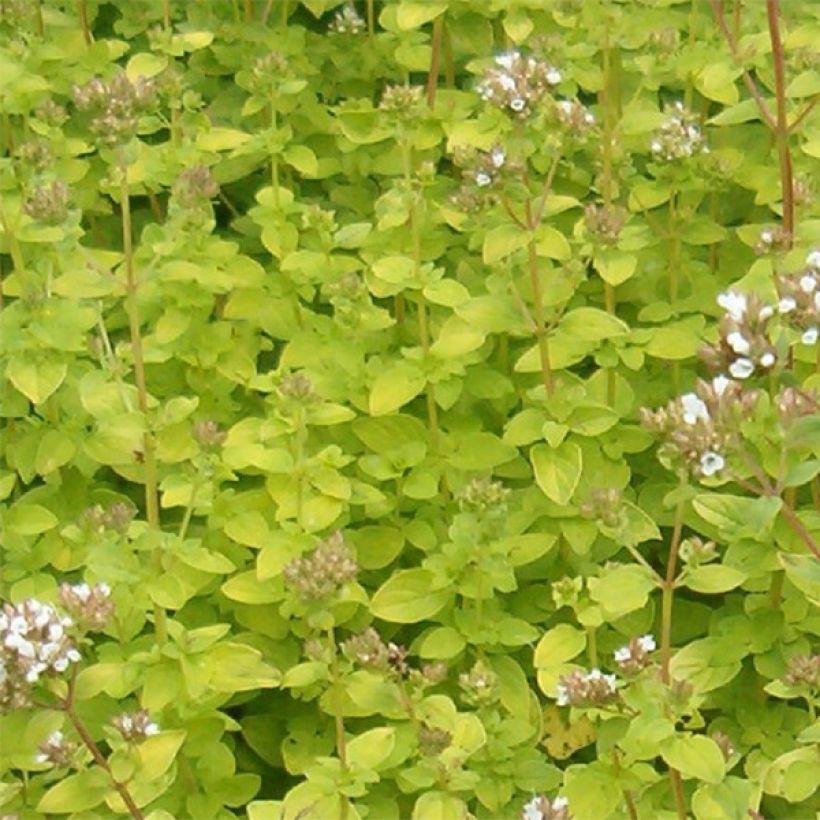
274	160
166	14
424	331
592	646
669	591
82	14
371	20
338	715
150	465
538	306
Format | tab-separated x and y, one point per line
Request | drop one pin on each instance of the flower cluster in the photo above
800	299
90	607
135	726
516	83
299	388
542	808
604	223
433	741
603	504
772	239
34	643
679	136
634	656
803	670
195	187
347	21
368	650
793	403
48	203
700	427
480	685
695	551
98	519
743	346
587	689
403	101
575	117
34	156
207	434
115	106
321	574
484	494
56	750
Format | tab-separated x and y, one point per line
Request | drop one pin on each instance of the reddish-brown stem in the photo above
751	85
88	741
782	130
248	10
435	60
799	529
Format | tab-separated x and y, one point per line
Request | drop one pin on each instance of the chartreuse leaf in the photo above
557	470
804	572
621	590
394	387
439	806
408	597
738	516
76	793
713	578
732	798
695	756
36	380
157	753
370	749
503	240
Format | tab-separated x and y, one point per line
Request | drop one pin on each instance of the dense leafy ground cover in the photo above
408	409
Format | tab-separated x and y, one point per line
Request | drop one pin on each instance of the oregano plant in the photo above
409	409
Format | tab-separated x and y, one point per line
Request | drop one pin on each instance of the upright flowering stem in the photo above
82	13
424	331
538	304
668	590
149	456
605	98
435	60
338	713
166	14
782	129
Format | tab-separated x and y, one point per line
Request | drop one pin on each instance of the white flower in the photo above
518	104
506	82
497	157
809	337
55	632
531	810
742	368
553	76
766	237
508	60
562	696
151	729
766	312
103	589
482	179
807	283
589	118
647	643
55	738
82	591
73	655
622	655
60	665
41	758
767	359
565	106
719	385
813	260
733	303
559	803
786	304
656	147
693	409
711	463
738	342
